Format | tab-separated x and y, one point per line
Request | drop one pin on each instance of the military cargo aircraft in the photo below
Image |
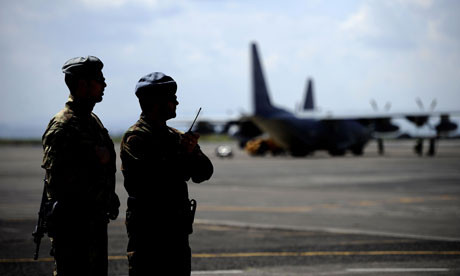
307	131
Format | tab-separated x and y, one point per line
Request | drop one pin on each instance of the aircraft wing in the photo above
372	115
381	121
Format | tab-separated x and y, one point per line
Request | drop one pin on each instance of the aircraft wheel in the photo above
336	152
357	150
299	153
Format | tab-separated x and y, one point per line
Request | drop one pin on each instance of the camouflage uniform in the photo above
79	159
158	219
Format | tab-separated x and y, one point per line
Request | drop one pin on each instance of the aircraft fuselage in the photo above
301	136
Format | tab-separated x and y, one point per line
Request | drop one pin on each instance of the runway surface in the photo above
397	214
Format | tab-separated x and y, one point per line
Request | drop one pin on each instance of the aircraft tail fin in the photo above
309	103
261	98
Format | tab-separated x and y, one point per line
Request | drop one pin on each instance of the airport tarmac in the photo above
397	214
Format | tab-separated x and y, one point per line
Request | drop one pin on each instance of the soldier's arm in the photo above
201	167
57	161
140	158
113	202
197	164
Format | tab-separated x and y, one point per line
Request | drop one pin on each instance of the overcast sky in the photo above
392	50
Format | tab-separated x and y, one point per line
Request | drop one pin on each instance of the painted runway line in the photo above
402	270
309	208
214	272
323	253
273	254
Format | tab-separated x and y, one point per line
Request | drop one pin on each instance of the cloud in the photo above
386	24
103	4
354	51
361	23
426	4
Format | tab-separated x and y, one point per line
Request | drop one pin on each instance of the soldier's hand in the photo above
113	214
189	141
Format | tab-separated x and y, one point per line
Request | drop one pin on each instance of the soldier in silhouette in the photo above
157	162
79	159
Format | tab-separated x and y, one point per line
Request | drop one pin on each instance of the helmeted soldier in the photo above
79	159
157	162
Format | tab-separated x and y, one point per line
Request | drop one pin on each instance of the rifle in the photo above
192	215
40	228
192	210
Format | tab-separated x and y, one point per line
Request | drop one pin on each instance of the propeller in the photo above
420	103
387	106
374	105
433	104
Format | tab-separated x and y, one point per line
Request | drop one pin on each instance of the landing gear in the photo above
432	148
380	146
357	150
336	152
418	148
